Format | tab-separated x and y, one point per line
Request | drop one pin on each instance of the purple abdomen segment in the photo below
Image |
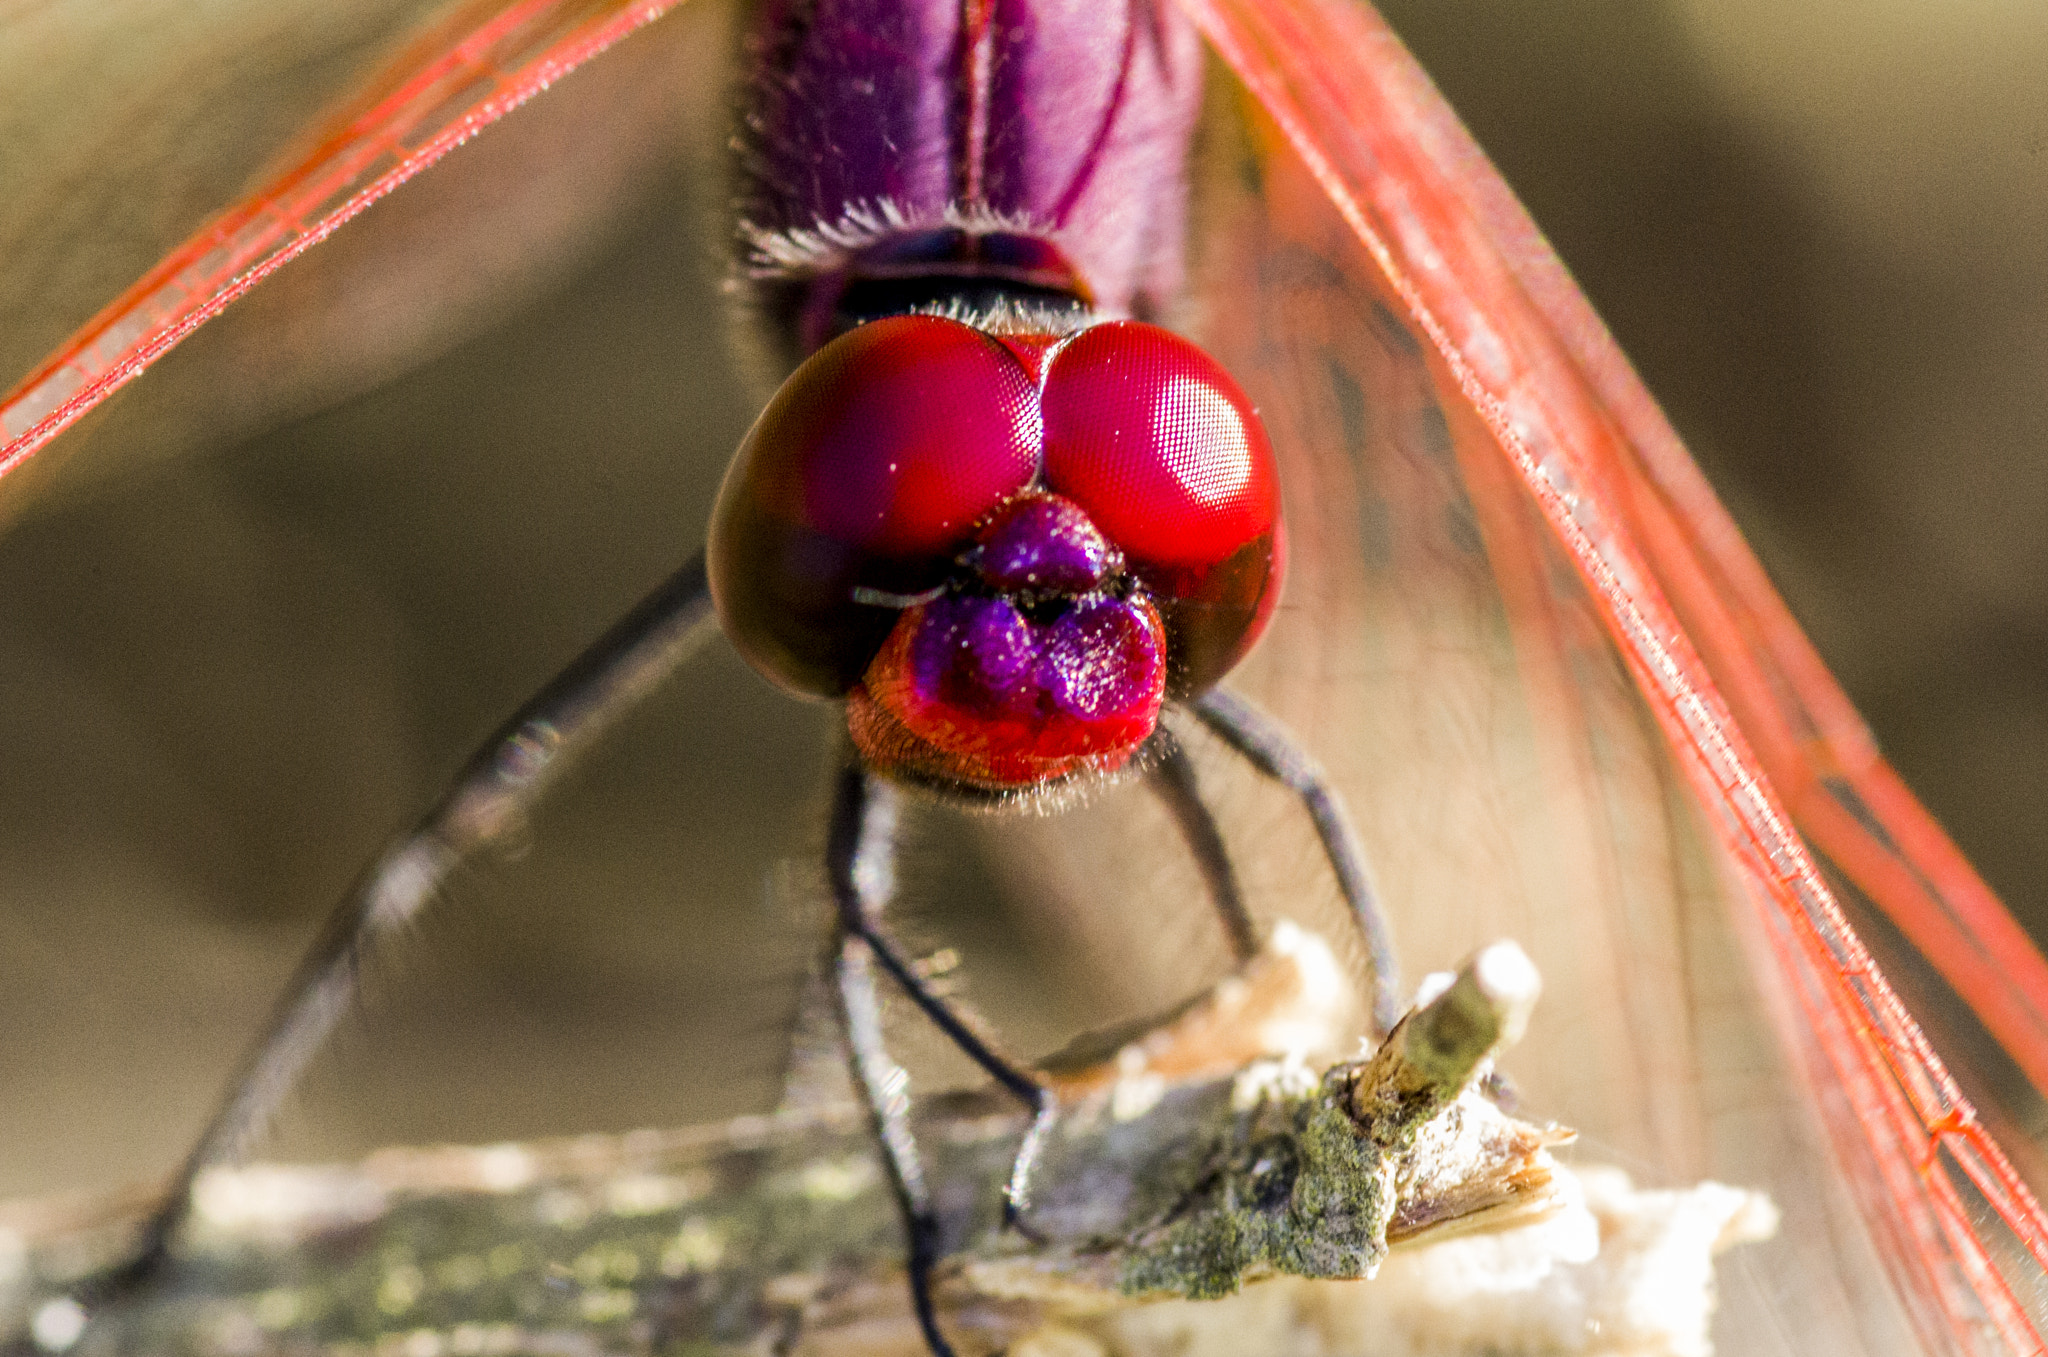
876	122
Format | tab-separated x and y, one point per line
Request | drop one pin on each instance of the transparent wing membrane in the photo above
1447	665
1367	188
479	62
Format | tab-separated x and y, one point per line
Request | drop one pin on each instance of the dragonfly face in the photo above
1003	550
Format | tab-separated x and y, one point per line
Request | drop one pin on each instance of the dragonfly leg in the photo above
487	802
860	863
1269	747
885	1087
1172	777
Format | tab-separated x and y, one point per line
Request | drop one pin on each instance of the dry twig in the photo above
778	1234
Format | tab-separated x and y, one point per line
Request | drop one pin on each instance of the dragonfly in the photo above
1588	442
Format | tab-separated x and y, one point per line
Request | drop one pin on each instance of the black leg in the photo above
860	863
1268	747
886	1089
860	853
1173	777
488	801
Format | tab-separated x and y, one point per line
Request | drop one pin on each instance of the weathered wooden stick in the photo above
779	1234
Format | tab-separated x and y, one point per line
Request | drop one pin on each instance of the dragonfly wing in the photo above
122	137
425	272
1842	794
1844	797
1522	535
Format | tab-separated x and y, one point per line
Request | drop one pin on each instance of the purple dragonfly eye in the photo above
1004	552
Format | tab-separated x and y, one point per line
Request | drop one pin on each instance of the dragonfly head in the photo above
1004	552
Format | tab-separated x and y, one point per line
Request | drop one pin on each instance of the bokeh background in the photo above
274	597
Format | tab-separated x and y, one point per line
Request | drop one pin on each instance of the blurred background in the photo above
276	593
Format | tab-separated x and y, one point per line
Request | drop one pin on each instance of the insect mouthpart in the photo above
1033	669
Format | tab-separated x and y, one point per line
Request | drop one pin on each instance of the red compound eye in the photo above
868	470
1155	441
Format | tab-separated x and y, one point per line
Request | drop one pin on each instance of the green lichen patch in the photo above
1293	1186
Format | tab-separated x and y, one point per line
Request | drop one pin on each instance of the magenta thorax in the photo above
1041	142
